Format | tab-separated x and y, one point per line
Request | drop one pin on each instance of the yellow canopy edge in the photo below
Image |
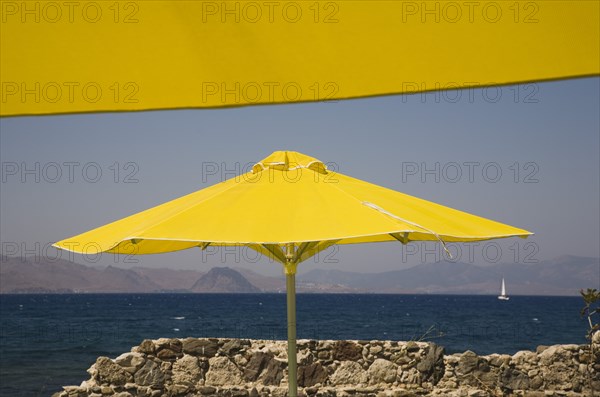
287	198
71	57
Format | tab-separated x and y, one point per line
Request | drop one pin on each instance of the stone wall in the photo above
258	368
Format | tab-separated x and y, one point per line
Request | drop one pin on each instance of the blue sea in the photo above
47	341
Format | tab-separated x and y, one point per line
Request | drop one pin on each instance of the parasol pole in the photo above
290	281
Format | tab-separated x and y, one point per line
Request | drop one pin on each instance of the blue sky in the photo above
525	155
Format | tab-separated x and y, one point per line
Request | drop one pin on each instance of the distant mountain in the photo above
28	275
170	279
565	275
223	279
265	283
421	277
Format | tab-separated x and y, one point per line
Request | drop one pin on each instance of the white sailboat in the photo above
503	296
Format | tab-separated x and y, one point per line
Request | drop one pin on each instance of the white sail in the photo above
502	295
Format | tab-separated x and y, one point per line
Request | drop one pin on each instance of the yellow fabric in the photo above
66	57
287	200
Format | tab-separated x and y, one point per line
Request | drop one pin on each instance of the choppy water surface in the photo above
50	340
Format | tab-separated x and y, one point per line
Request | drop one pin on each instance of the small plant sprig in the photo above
591	310
433	332
591	298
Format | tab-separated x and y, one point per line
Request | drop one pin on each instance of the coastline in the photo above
327	368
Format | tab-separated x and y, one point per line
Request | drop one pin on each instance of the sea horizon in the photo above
187	292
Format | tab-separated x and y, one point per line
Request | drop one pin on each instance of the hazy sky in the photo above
527	156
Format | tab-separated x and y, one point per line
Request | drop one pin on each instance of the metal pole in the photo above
291	318
290	281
